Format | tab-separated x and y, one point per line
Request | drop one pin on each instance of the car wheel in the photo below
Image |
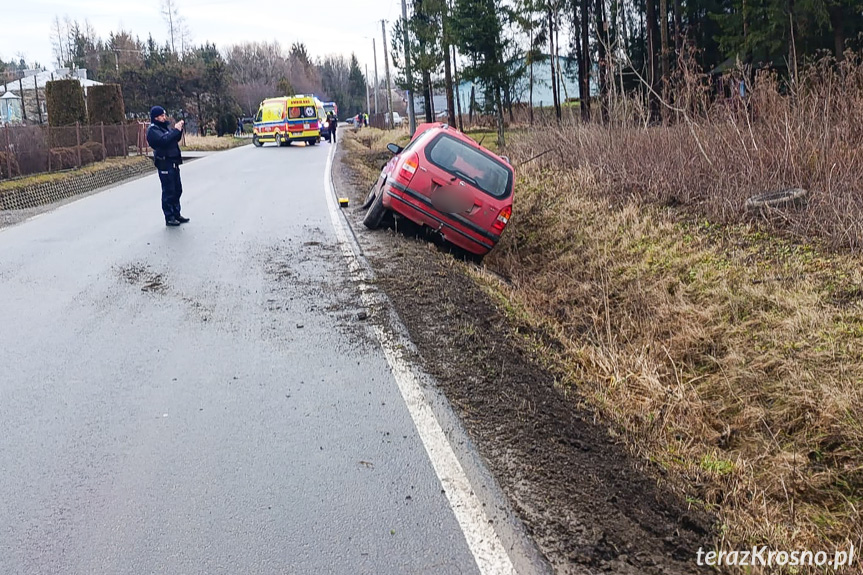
256	142
278	139
376	212
370	198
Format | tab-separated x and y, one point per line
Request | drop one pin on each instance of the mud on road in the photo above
589	505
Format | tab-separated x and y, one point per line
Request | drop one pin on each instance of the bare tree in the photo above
252	62
256	69
177	27
58	41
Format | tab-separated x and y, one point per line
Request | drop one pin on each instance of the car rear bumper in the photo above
454	228
305	135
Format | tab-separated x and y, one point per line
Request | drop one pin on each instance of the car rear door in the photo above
479	184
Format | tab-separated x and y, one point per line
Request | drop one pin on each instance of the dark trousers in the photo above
332	134
172	189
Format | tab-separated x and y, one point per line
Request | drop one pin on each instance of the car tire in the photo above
256	142
278	139
376	212
370	198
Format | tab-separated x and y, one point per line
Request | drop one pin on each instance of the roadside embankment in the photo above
727	355
725	348
33	191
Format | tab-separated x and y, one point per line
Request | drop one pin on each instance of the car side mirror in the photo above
394	148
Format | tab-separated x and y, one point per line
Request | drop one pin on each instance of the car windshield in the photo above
471	165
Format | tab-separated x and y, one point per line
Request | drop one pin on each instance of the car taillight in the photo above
409	168
502	219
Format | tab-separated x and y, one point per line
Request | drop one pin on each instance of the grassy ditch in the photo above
730	357
726	351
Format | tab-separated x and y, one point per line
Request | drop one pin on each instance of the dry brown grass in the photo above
195	143
729	150
42	178
726	349
731	359
367	151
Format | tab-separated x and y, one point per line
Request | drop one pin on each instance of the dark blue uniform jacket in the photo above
165	144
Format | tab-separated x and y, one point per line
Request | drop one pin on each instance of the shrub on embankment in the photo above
727	347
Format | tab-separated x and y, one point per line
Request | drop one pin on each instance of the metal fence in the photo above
28	150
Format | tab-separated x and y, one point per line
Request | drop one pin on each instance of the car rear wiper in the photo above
464	176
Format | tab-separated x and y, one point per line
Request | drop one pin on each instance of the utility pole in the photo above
387	70
377	85
412	120
368	101
23	105
457	88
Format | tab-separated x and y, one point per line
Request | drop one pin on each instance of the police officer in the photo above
334	123
167	157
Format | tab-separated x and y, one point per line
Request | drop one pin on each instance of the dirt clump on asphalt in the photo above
589	505
141	275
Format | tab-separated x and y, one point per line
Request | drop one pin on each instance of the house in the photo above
30	87
542	95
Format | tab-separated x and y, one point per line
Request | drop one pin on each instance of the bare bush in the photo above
727	354
719	152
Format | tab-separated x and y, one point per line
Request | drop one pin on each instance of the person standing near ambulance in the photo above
165	142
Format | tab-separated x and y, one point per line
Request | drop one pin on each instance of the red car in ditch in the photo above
447	182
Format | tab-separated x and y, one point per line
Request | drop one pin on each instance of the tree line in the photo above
627	46
214	86
617	47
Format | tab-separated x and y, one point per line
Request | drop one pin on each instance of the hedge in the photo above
105	104
65	101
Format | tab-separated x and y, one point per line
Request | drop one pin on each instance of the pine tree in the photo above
477	30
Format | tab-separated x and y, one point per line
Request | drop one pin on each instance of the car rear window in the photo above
297	112
471	165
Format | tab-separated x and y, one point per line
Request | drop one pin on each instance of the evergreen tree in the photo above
477	31
356	87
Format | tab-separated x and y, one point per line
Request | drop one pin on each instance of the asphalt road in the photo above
205	399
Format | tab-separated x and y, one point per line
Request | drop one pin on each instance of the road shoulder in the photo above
587	503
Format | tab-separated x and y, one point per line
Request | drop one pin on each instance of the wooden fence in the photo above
28	150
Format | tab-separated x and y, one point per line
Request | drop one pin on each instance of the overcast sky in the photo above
326	27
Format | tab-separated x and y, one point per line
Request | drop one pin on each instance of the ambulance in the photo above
288	119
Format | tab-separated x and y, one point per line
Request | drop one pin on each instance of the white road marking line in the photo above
487	548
